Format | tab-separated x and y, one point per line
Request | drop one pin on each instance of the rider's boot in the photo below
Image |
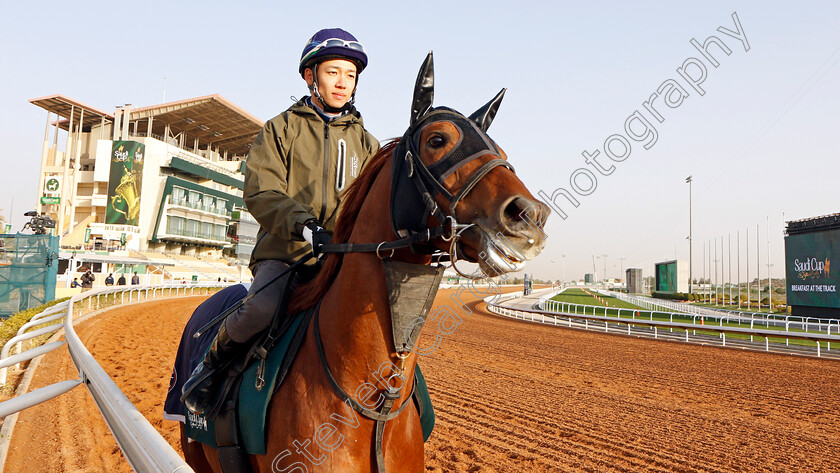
198	393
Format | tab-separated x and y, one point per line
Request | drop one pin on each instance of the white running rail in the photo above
809	324
143	447
676	309
585	316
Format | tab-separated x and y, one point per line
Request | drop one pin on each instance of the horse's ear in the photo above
424	89
483	117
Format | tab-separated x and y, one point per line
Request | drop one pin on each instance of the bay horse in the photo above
478	202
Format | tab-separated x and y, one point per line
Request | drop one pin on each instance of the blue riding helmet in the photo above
333	43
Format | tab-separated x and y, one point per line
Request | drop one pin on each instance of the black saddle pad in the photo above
191	350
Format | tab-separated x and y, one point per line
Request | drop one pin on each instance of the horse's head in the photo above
447	171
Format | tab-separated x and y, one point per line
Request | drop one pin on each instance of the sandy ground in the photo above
510	397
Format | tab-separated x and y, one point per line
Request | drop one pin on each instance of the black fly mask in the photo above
414	186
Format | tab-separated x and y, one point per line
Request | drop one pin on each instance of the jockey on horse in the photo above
299	163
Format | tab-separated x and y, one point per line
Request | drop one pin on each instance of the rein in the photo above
413	239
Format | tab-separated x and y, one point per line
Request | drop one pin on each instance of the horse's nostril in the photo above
521	212
515	210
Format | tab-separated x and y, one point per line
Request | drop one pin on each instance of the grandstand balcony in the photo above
198	206
184	224
193	236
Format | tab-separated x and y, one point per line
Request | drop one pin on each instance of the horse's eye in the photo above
436	141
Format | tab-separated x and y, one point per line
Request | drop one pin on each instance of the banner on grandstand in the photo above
125	183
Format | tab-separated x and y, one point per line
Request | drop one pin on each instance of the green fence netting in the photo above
28	269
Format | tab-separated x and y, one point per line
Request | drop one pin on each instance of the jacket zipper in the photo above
326	173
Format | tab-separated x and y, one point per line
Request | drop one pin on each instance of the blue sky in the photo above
759	142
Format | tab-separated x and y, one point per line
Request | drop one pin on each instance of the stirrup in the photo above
198	393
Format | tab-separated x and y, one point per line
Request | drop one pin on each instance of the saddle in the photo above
236	426
242	404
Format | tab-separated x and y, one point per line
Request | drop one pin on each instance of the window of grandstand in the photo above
206	230
175	225
192	227
178	195
219	232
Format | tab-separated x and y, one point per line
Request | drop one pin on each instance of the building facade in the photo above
140	182
634	281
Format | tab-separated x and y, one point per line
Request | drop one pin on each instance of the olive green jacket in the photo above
296	170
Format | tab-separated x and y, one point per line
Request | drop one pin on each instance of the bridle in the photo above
414	187
469	147
473	143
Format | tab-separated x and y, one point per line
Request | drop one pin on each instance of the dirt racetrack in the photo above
509	397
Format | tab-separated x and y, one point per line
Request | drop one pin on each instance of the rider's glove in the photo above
315	235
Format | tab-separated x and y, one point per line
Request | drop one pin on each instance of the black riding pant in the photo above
255	315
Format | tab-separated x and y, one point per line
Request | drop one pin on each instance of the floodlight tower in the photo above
605	268
690	261
769	278
563	269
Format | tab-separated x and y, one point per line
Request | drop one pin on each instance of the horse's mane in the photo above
310	293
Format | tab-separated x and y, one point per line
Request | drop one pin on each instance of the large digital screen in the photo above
666	277
810	281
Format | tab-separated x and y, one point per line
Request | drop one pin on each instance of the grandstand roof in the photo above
61	105
212	119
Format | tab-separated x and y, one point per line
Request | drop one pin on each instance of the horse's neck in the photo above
355	313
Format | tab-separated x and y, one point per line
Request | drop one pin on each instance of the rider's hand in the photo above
315	235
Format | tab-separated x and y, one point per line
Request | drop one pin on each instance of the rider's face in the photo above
336	81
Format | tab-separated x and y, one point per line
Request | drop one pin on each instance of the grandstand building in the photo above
157	189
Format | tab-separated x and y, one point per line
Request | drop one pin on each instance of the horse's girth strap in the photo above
390	398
